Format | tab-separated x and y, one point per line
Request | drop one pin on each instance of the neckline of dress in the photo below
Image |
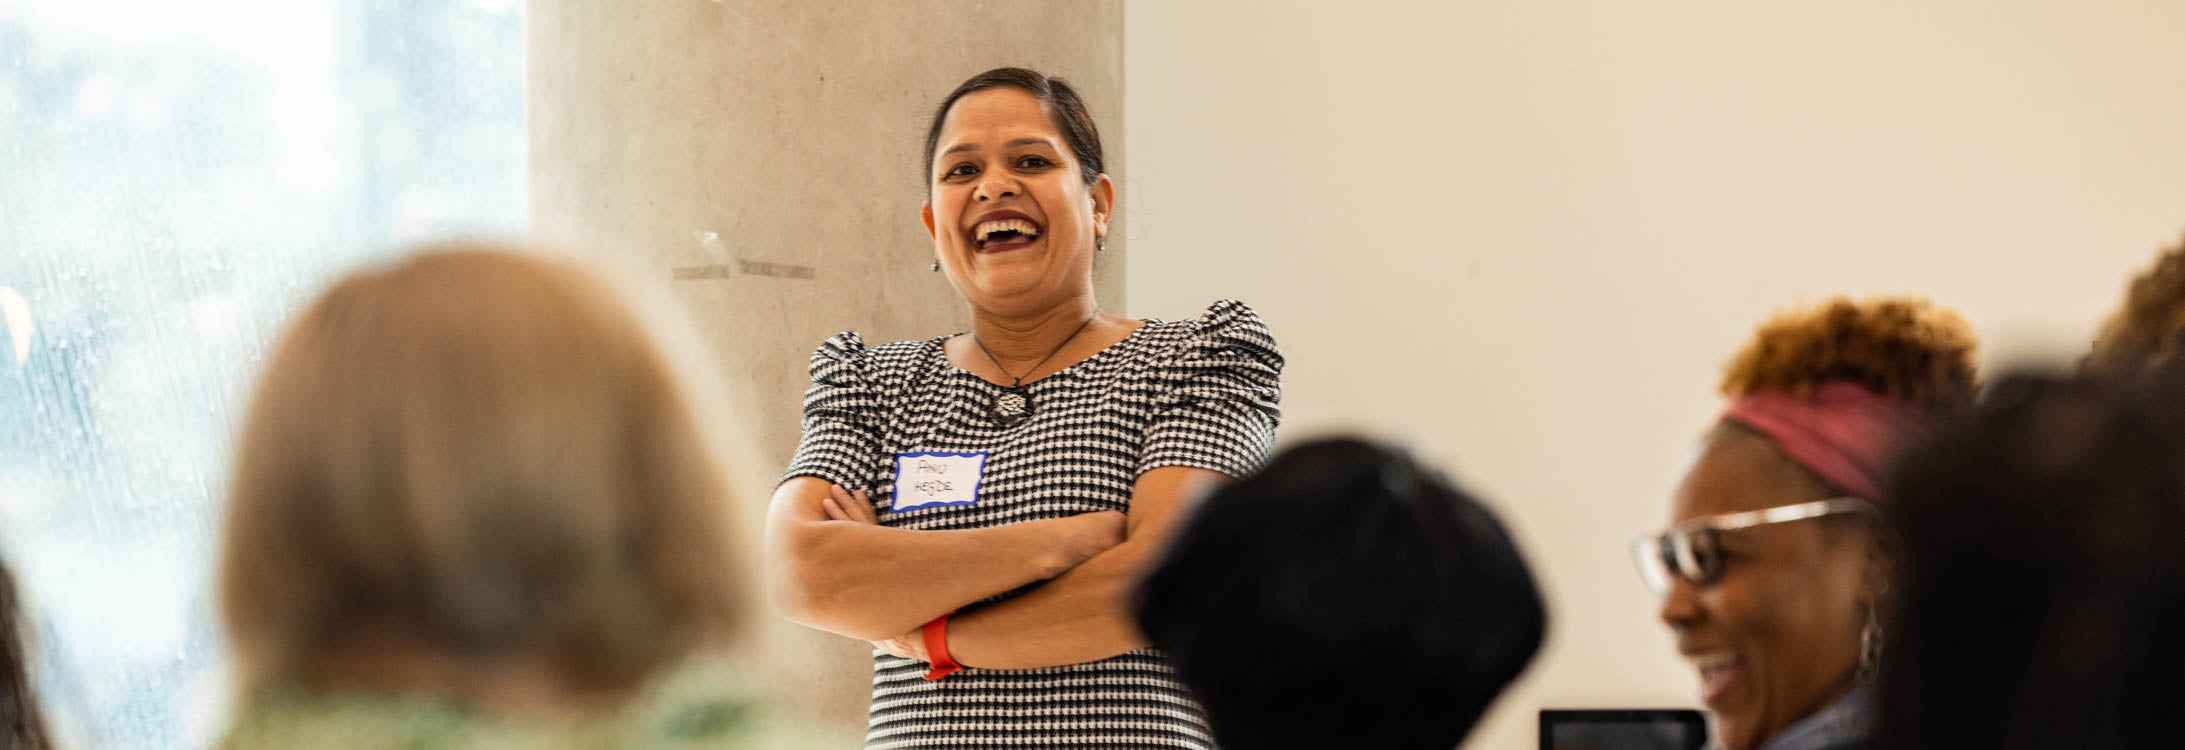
940	347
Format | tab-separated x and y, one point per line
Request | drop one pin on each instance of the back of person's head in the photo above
1343	596
22	724
473	462
2043	580
2146	335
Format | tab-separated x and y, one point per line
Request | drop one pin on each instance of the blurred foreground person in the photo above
472	506
1402	597
22	724
2043	585
2146	335
1775	573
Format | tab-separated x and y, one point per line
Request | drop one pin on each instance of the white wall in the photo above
1524	236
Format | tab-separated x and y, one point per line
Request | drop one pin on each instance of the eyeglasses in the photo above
1693	550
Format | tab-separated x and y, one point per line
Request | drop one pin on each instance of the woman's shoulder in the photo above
700	704
709	703
1227	328
287	719
844	357
1223	319
851	346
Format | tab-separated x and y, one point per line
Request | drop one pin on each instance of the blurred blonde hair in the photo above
484	455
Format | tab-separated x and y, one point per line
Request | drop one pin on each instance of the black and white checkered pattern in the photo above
1198	393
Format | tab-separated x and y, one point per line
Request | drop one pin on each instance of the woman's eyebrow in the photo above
962	147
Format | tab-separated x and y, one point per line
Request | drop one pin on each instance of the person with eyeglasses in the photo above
1775	574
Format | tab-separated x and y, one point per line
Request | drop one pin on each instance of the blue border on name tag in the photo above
897	492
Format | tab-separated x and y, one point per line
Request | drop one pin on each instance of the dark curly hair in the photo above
1903	348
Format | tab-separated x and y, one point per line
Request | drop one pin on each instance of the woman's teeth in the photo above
1718	673
986	230
1716	660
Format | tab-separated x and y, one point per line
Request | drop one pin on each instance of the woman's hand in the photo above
911	645
843	505
1076	539
832	566
1084	536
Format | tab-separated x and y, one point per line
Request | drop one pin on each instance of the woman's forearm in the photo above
869	582
1082	616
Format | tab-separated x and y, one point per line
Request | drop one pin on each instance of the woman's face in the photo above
1012	219
1777	638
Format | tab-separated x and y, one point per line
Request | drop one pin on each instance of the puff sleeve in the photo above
839	410
1222	399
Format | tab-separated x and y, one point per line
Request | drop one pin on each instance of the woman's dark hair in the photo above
22	725
1063	104
2043	576
1404	599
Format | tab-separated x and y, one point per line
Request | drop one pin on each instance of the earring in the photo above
936	266
1100	244
1871	640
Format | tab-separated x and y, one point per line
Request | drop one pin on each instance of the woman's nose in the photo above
994	187
1680	604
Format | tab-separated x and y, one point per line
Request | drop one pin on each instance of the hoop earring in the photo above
1870	643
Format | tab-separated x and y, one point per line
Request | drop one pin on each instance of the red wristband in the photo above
937	650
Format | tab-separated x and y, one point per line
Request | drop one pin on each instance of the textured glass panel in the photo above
174	179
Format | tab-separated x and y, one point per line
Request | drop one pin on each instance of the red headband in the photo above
1844	434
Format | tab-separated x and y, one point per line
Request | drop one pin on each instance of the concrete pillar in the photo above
762	157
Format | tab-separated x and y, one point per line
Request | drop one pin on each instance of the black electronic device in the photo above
1622	729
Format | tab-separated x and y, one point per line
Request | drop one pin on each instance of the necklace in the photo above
1014	404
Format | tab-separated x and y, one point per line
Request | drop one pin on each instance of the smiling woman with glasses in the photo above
1774	572
1692	551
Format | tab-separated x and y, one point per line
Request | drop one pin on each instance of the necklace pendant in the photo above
1012	405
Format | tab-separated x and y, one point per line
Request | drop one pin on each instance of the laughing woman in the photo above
1774	577
980	505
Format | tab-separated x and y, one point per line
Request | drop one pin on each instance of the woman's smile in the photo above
1003	231
1722	674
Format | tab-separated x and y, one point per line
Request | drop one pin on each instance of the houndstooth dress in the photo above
1200	393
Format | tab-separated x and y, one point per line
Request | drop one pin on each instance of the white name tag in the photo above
929	480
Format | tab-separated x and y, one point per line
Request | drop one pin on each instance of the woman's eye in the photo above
1034	162
960	170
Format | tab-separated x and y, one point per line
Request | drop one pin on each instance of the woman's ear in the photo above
925	214
1103	198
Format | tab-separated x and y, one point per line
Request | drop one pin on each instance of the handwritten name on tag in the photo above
927	480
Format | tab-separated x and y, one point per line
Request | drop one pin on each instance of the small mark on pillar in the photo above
694	273
746	268
725	263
